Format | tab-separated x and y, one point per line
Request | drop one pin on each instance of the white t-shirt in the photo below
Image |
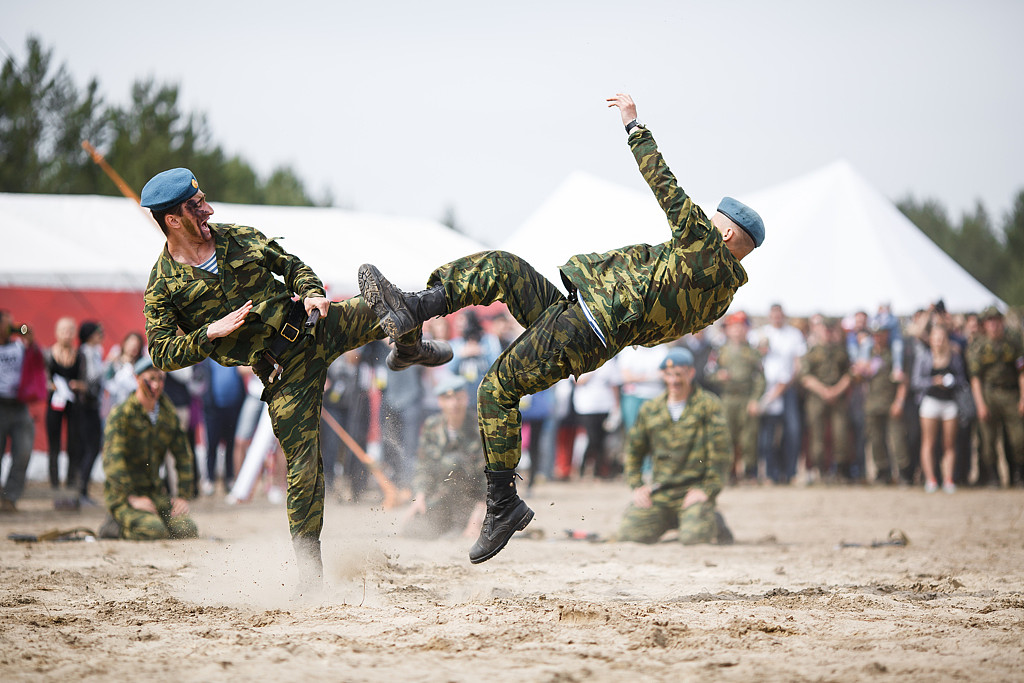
12	354
785	345
596	393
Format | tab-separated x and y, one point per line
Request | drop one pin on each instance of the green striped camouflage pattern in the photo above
557	342
133	451
137	525
744	383
695	524
190	298
647	295
997	362
639	295
693	452
449	466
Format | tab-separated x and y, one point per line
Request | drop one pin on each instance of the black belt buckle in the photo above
287	329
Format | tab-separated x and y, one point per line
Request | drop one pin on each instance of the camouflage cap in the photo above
745	217
677	356
990	312
169	188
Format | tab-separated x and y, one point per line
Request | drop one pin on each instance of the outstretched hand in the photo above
229	323
627	109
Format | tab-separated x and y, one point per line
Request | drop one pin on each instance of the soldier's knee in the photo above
182	527
145	530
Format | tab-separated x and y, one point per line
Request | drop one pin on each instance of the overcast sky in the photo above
409	107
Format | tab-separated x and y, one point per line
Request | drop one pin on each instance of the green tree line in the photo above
993	254
45	116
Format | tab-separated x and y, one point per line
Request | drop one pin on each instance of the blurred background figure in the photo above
449	485
65	369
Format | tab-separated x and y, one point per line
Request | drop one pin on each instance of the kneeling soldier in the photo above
685	435
139	434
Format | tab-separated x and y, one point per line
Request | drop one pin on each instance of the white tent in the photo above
110	243
834	244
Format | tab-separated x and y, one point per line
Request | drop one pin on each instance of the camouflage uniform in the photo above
693	452
998	363
639	295
180	295
744	383
448	473
133	452
886	434
828	362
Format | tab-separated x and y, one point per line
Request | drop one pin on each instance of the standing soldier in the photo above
883	408
826	377
216	283
996	367
685	435
139	434
740	379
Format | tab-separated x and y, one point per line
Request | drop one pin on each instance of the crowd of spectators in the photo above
933	400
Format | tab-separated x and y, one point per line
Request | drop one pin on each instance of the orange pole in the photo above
111	173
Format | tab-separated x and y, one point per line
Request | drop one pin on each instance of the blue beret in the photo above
143	364
169	188
449	384
745	217
677	356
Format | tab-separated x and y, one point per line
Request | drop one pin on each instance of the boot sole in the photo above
523	523
372	285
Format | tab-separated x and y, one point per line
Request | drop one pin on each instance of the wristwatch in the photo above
635	123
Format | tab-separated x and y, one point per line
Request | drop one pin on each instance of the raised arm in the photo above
683	215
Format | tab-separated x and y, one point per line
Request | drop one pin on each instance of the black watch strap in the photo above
635	123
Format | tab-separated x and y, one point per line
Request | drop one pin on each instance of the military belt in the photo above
289	333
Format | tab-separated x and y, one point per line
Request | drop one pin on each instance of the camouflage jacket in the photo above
742	364
647	295
133	452
997	362
447	466
826	362
881	389
693	452
182	296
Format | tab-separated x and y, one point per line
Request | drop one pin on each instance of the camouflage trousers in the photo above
742	429
138	525
819	415
1002	408
295	400
558	342
887	437
696	524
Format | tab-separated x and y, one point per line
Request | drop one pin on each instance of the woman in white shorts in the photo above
937	376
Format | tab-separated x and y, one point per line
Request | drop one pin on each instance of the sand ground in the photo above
787	602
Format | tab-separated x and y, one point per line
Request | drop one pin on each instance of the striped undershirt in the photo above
210	265
592	321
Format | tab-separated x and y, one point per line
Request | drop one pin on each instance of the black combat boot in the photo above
424	352
310	564
506	514
399	312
